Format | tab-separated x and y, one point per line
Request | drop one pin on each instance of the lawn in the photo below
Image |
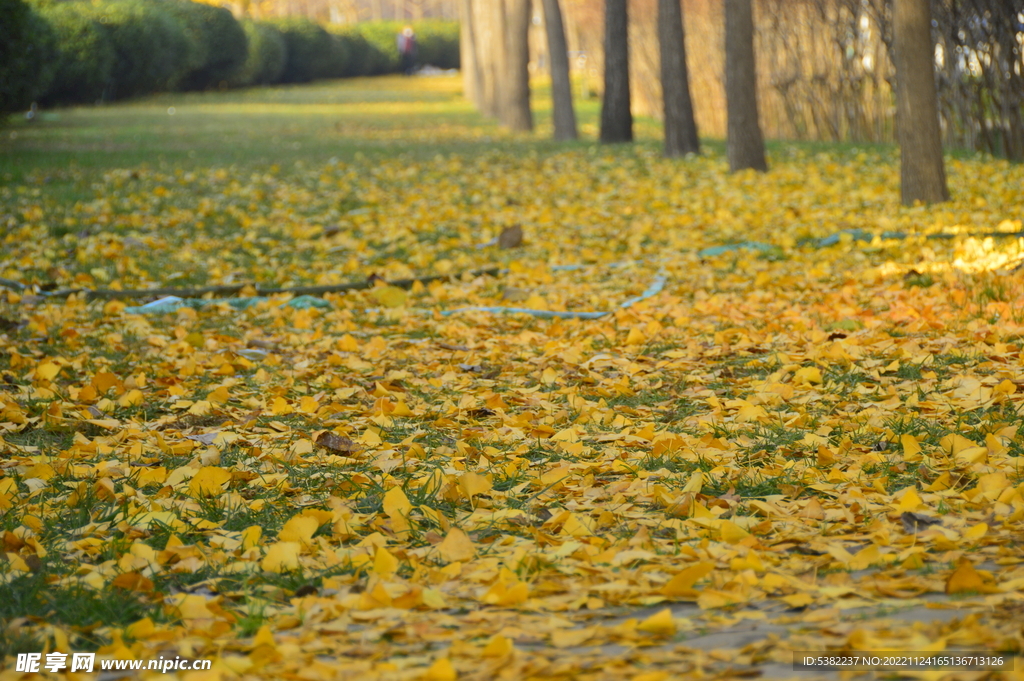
795	429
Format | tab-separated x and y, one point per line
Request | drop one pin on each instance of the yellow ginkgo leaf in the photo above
911	447
300	529
47	371
384	563
965	578
659	624
441	670
910	500
209	481
308	405
456	546
281	557
389	296
498	646
473	484
682	583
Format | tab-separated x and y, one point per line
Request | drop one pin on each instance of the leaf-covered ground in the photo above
808	432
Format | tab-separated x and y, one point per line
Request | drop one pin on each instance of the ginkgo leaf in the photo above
965	578
635	337
681	585
193	606
732	533
909	500
384	564
473	484
659	624
47	371
498	646
209	481
441	670
807	375
389	296
396	503
299	529
280	407
911	448
308	405
456	546
281	556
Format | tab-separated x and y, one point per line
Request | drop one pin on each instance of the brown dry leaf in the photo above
511	237
336	443
915	522
514	295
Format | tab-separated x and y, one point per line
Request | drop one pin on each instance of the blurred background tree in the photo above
825	68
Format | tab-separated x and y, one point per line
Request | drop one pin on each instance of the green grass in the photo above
256	130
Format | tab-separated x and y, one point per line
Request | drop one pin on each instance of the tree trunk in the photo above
498	55
376	10
473	88
561	85
922	173
616	117
490	49
680	127
516	113
745	143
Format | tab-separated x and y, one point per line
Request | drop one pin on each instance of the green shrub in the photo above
339	62
151	48
382	39
85	57
27	53
217	43
362	57
228	47
438	43
266	57
308	48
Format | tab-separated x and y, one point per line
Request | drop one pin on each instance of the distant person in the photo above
407	50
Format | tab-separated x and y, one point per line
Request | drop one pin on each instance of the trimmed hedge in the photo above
85	56
438	43
360	57
217	43
266	55
382	37
309	50
111	49
151	48
28	50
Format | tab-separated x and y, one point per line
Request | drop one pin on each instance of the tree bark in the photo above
471	77
680	127
616	117
745	143
516	113
490	49
922	173
561	86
